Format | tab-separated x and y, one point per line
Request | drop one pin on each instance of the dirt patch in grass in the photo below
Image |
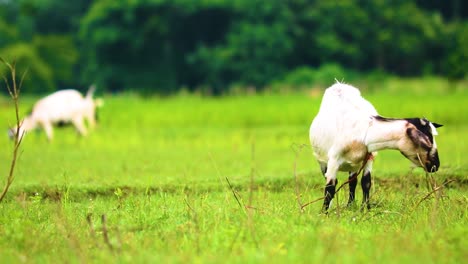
76	194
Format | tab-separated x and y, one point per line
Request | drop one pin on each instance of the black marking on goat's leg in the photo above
352	186
329	194
366	184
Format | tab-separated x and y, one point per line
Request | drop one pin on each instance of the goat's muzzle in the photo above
11	133
432	163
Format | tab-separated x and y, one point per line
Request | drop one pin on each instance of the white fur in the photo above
344	117
67	106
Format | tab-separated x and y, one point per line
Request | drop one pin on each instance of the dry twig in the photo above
14	91
436	189
234	192
105	232
92	231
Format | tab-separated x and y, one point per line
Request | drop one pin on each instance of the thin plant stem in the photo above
14	91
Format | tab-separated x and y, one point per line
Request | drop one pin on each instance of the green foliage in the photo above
39	77
328	73
456	63
133	40
339	39
52	17
253	55
394	36
60	54
8	32
163	46
49	61
323	76
300	77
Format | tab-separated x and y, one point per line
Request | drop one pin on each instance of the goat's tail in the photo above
89	94
98	102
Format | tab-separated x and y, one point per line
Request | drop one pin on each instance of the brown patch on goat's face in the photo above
355	151
418	138
419	147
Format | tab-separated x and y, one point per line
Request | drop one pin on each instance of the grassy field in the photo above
210	180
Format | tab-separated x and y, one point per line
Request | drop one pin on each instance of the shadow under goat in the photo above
61	108
347	133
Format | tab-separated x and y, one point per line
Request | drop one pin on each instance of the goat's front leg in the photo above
79	126
352	186
330	187
48	130
91	119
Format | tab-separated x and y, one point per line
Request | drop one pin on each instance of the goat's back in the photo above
59	105
343	118
342	98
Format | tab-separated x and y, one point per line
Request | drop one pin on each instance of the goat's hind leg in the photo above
366	183
352	180
79	126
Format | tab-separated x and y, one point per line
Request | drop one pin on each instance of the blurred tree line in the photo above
165	45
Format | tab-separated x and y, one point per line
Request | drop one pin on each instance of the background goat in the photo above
347	133
61	107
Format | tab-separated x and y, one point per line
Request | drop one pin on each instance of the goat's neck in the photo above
28	123
385	135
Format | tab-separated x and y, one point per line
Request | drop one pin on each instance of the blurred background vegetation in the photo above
213	46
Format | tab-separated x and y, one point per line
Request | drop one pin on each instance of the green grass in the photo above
157	169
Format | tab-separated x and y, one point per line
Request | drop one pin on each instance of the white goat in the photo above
61	107
347	133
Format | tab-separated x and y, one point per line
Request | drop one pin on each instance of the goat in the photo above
347	133
61	107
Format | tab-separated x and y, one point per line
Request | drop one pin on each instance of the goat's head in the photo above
422	148
26	124
12	131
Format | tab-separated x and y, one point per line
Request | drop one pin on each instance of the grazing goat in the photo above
61	107
347	133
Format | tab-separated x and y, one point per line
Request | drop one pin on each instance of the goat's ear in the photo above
436	125
419	138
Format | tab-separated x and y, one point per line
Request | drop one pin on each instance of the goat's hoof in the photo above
352	205
324	211
365	206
